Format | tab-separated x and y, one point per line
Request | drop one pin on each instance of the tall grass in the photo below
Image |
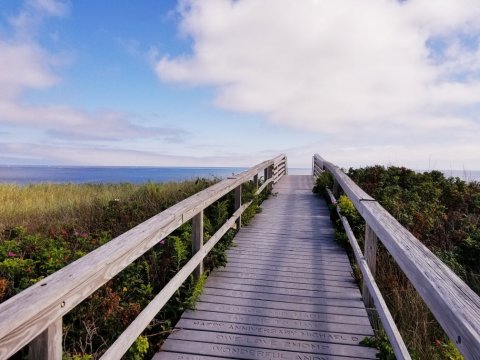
39	207
46	205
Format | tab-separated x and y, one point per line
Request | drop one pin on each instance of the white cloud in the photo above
63	122
33	13
25	65
50	7
35	153
347	68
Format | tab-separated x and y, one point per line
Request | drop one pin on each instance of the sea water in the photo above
107	174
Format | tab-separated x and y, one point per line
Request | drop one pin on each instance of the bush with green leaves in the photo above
322	182
444	214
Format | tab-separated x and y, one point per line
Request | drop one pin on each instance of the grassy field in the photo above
45	206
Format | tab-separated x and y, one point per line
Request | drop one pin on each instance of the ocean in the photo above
473	175
98	174
24	175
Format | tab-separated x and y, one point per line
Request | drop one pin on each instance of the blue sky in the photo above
222	82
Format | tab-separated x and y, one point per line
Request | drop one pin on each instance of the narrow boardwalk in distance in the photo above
286	293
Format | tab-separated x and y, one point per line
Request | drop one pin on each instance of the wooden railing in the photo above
34	316
455	306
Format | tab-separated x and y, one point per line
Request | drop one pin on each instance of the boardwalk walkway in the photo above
286	292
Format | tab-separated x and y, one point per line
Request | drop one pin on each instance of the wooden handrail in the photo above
455	306
398	346
33	311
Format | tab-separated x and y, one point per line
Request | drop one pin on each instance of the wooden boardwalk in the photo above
286	293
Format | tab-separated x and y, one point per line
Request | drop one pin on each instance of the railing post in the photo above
255	181
270	175
371	241
47	345
335	187
197	241
238	203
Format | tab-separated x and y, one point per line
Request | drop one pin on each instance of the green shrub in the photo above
325	180
139	349
448	351
196	291
380	342
443	213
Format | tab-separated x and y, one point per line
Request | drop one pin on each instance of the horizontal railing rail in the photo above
279	168
34	316
455	306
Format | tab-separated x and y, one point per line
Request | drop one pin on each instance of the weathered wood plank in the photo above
293	270
332	286
320	233
47	345
278	332
286	246
278	322
287	256
166	355
284	314
241	352
324	275
307	347
299	267
285	249
321	261
317	237
289	231
290	255
280	305
322	292
285	298
287	240
264	185
306	230
312	213
316	280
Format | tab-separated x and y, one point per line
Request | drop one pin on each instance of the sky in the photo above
236	82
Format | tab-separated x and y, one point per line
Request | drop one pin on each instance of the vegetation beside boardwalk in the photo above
444	214
44	227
